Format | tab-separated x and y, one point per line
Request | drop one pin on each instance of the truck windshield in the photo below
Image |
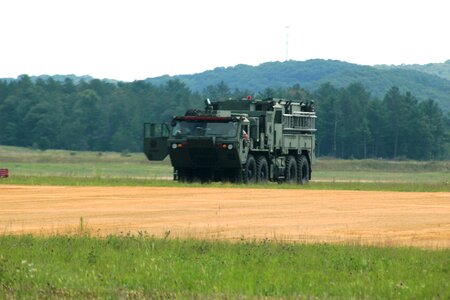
184	128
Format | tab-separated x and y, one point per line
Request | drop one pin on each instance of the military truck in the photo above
246	140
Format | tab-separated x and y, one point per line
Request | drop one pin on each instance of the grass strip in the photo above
140	266
105	181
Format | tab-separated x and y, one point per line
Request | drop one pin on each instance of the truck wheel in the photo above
250	169
236	176
303	170
180	175
183	175
290	171
262	169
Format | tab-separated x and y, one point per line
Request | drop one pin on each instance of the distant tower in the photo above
287	43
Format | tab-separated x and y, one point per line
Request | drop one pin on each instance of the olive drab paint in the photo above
248	140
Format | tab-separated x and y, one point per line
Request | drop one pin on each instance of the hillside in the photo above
312	73
438	69
423	81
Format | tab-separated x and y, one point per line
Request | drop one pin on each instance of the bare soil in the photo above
360	217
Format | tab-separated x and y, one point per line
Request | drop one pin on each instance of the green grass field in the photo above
328	185
61	167
52	163
144	267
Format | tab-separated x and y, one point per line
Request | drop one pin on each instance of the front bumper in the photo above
201	154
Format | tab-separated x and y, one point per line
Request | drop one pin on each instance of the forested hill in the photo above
438	69
312	73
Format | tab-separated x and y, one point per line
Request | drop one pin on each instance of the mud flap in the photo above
155	140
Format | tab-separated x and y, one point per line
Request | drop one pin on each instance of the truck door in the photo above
155	140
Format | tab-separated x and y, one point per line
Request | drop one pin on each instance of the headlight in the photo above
225	146
174	146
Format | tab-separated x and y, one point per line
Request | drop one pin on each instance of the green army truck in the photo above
250	141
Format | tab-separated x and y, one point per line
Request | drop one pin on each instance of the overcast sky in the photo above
136	39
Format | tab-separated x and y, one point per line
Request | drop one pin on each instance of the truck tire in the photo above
302	169
250	170
236	176
290	171
262	170
184	175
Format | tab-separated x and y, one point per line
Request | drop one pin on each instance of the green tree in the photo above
376	118
9	124
432	119
43	121
329	118
355	128
220	91
395	117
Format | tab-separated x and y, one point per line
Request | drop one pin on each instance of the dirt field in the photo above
380	218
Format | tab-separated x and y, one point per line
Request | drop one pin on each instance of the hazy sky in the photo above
136	39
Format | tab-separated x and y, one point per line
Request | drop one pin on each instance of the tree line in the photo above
353	125
93	115
102	116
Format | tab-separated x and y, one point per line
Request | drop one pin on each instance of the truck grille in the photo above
204	157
